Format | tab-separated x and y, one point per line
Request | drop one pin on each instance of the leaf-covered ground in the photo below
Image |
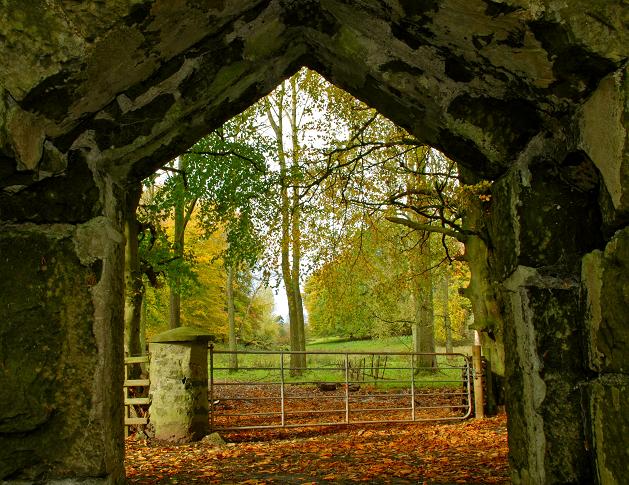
472	452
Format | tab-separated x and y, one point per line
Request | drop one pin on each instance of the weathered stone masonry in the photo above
530	94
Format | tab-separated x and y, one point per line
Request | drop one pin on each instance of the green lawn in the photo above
372	368
389	344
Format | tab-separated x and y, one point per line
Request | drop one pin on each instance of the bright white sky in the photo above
281	303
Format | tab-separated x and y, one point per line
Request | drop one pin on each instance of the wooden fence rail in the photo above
135	402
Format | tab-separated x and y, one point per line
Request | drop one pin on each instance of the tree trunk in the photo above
422	293
289	234
424	324
134	287
175	287
143	343
447	326
485	307
133	302
296	232
175	308
299	327
233	358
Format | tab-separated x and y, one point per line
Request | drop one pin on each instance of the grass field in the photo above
389	344
373	367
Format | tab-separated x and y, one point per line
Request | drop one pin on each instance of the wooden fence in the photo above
136	400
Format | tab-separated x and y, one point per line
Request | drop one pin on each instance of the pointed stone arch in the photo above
529	94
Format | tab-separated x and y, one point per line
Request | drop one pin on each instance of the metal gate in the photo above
273	389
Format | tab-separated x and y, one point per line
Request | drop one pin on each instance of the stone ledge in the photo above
183	334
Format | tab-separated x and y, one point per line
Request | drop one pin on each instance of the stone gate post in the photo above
179	384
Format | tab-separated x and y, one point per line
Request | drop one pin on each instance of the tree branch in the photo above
228	153
459	236
180	172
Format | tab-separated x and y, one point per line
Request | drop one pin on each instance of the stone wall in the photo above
60	355
605	295
562	269
605	280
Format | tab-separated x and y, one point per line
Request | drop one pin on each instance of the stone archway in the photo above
529	94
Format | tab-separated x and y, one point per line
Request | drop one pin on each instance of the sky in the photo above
281	303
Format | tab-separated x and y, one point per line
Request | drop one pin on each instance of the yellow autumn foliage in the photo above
205	305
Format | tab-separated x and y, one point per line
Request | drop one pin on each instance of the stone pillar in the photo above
179	409
542	214
606	285
61	258
561	260
605	281
545	373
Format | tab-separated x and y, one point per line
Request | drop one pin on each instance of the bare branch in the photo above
428	228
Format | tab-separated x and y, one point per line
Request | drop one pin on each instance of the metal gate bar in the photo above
394	393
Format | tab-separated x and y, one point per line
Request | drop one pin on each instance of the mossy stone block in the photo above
183	334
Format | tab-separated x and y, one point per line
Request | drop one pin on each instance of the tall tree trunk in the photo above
424	324
134	290
143	319
143	345
293	327
231	319
295	360
175	308
424	320
446	311
134	287
301	333
296	230
175	287
485	307
295	309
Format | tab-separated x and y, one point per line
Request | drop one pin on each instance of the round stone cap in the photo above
183	334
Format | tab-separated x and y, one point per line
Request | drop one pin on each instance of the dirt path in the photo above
471	452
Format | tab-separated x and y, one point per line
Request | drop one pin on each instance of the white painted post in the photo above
479	408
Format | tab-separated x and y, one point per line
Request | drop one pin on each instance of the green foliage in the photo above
229	168
220	186
365	290
204	304
401	343
158	263
459	307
